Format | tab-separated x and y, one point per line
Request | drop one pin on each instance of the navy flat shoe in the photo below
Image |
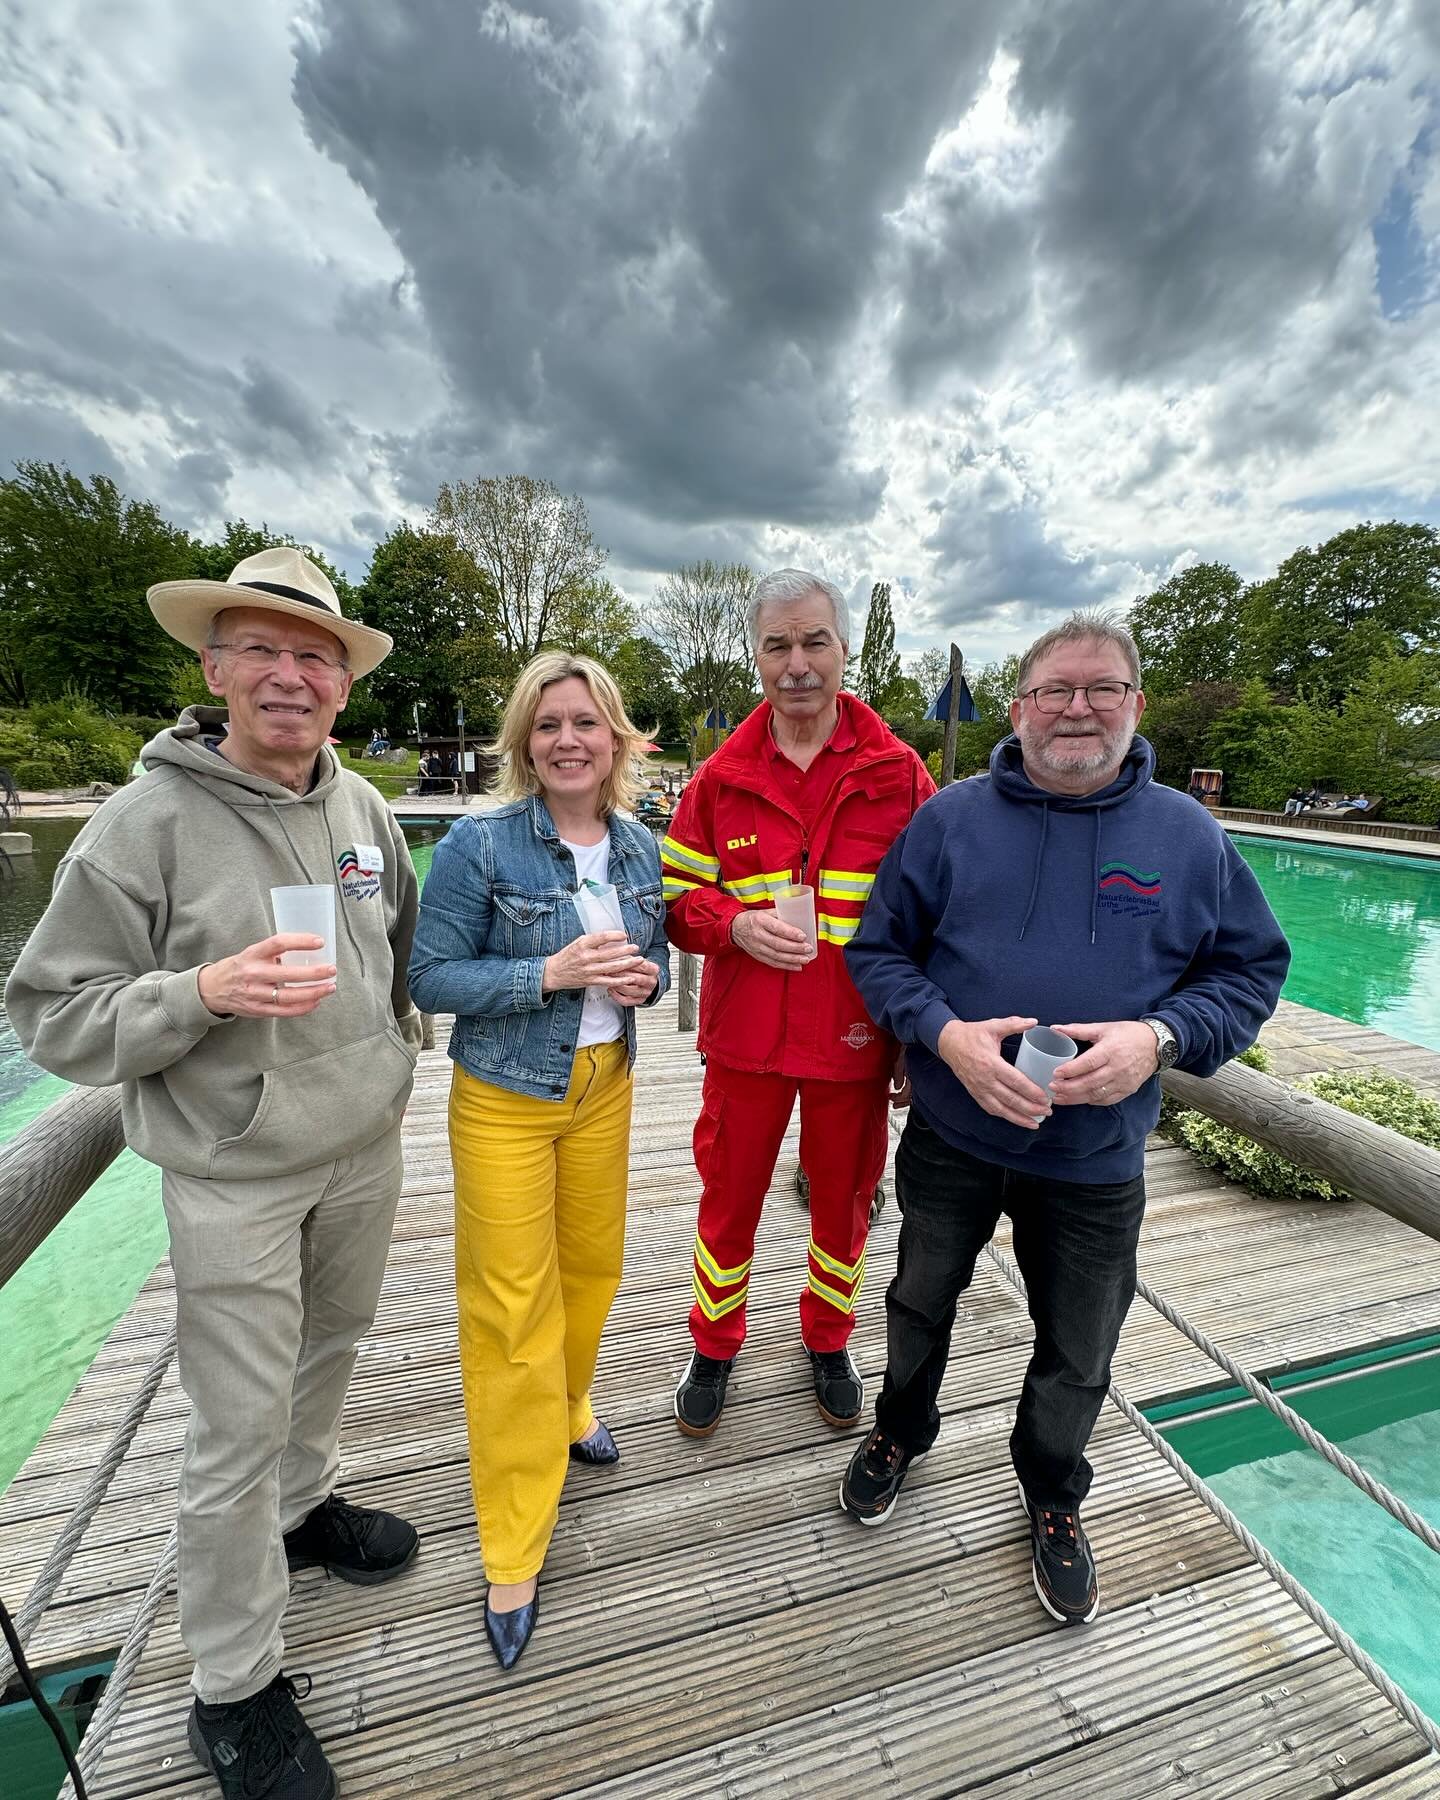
599	1448
510	1632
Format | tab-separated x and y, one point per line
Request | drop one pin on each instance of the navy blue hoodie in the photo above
1000	898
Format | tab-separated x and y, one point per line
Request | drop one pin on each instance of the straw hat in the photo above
279	580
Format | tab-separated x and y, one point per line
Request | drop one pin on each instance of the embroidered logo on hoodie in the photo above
1129	891
356	881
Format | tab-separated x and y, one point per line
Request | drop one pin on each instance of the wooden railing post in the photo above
48	1165
1375	1164
687	992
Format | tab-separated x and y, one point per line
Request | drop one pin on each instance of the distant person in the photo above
430	771
544	1049
1295	801
811	789
1122	911
452	771
1355	803
379	742
271	1098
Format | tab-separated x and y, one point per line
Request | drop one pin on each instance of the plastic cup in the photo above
310	910
1041	1053
599	910
795	905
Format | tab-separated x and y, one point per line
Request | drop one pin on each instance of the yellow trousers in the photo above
539	1245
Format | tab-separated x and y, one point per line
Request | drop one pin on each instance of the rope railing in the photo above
1303	1598
47	1582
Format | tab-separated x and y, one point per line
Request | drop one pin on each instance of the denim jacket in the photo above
498	900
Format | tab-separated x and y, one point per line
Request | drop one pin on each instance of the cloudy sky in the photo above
1017	304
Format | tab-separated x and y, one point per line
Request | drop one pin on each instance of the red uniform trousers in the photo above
843	1137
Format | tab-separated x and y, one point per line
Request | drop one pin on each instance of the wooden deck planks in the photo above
712	1623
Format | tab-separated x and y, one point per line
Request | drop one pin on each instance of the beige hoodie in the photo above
174	872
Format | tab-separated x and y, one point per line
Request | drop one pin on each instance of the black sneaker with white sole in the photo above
874	1478
700	1397
1061	1564
261	1748
839	1389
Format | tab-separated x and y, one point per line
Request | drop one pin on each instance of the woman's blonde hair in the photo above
622	787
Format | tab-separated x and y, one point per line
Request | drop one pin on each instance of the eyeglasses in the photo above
258	657
1100	696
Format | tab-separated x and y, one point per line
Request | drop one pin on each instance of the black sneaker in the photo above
261	1748
1061	1565
839	1390
357	1543
874	1478
700	1397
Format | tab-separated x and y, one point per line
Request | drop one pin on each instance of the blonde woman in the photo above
543	1046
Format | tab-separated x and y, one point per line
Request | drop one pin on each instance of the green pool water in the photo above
1370	1574
1364	929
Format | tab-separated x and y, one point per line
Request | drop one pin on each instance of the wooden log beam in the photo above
48	1166
688	992
1359	1157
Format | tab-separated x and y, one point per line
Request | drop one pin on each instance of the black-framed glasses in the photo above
1100	696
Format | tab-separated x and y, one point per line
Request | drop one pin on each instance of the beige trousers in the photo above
276	1282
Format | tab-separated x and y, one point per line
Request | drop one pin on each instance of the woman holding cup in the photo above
516	938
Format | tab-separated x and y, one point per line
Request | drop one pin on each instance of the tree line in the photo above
1326	672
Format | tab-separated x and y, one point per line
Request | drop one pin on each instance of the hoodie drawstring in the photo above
1095	878
1035	879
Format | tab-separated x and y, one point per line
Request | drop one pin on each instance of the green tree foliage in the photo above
652	698
1254	743
214	561
1324	616
1187	631
879	665
531	542
1179	724
930	669
697	617
437	606
593	619
75	560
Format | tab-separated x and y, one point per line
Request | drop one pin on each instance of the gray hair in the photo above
1081	628
794	584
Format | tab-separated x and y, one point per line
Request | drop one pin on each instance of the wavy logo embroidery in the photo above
356	881
1125	875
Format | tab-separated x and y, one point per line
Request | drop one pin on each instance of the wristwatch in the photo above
1166	1042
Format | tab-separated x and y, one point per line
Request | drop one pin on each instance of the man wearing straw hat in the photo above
270	1095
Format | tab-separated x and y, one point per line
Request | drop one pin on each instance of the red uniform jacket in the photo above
734	840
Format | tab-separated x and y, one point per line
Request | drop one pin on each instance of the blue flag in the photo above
940	708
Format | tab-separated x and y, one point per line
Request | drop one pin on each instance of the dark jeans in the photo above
1076	1249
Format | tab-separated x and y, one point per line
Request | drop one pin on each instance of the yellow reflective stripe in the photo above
763	885
683	857
835	930
718	1276
842	1302
845	884
717	1309
671	887
846	1271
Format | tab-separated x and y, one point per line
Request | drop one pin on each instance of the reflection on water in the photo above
1365	930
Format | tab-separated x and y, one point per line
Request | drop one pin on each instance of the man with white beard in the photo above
1065	885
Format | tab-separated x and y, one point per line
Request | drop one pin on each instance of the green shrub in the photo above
1369	1093
52	769
97	748
1170	1110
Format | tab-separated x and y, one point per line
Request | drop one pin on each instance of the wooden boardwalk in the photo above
712	1623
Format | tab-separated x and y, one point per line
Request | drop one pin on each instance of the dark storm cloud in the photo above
991	551
647	291
31	431
1182	213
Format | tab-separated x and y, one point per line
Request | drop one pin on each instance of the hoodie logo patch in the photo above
356	881
1129	891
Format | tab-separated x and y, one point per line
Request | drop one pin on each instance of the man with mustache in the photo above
812	788
1065	885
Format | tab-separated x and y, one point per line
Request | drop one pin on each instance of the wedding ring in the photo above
275	994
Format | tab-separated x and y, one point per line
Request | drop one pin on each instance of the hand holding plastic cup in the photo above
1041	1053
599	909
795	905
310	910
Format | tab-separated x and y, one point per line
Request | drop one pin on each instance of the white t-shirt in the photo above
601	1020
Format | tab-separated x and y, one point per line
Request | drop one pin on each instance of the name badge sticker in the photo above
371	859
